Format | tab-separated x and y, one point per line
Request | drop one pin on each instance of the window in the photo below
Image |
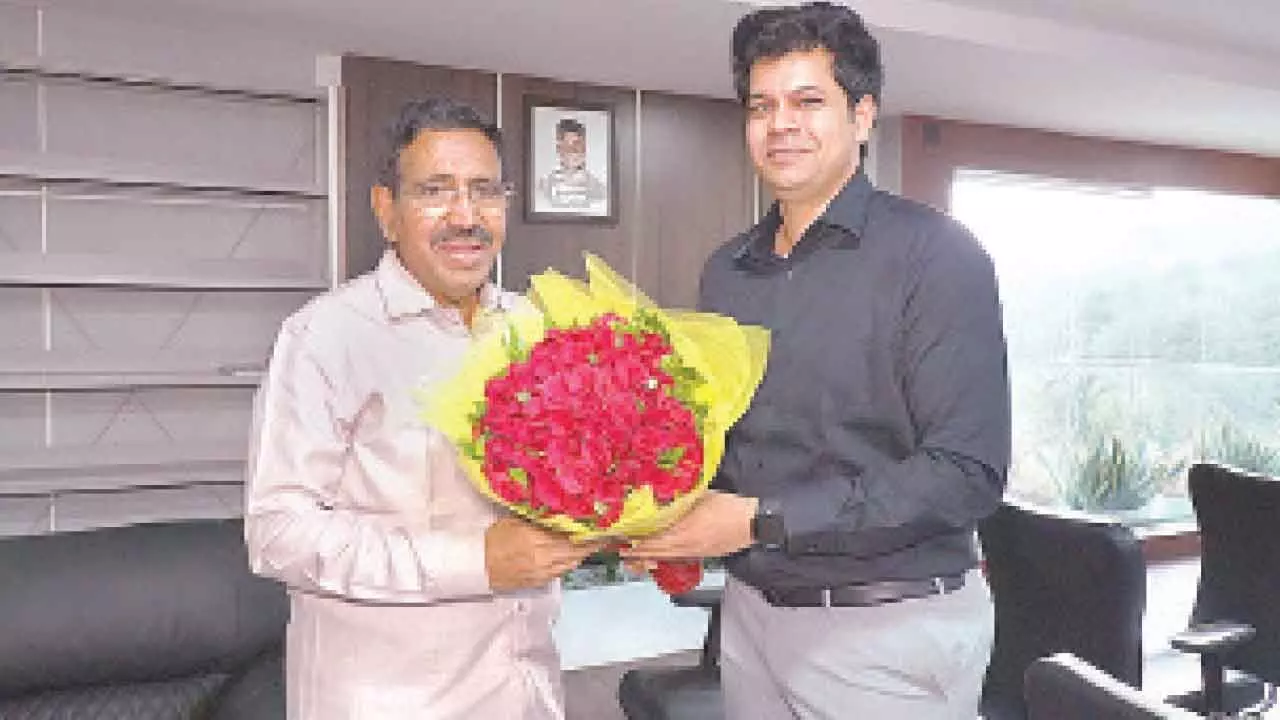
1144	334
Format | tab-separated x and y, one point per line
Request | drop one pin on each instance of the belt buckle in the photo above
826	597
939	588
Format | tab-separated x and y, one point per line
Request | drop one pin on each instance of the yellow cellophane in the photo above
731	358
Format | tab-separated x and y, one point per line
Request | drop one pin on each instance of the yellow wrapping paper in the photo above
730	357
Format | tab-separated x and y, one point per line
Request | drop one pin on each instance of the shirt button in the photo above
522	607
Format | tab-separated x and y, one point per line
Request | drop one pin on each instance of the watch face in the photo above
768	530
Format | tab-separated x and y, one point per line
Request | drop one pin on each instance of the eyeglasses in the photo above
434	199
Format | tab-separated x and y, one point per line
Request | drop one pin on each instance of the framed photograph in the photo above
571	164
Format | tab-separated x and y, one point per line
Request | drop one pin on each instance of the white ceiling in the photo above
1173	71
1243	26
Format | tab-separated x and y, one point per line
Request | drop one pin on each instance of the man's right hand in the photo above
520	555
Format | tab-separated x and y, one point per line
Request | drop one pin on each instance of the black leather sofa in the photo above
149	622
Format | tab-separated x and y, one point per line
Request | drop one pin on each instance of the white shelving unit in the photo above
56	152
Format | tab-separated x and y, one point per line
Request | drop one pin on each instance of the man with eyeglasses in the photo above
412	595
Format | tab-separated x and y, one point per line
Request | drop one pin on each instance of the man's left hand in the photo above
719	524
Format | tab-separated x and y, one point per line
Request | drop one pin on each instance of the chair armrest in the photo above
1211	642
1213	638
702	597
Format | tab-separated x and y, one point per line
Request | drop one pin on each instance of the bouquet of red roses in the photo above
600	415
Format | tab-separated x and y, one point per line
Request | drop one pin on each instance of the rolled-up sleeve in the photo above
296	528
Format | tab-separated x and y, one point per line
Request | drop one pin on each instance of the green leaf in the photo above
669	458
473	449
520	475
517	349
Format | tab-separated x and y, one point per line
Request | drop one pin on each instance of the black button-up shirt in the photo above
881	430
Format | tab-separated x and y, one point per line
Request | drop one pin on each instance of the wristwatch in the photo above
767	528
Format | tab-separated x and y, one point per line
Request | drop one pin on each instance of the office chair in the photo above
1235	623
1061	581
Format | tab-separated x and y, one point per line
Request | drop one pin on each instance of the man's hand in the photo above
520	555
719	524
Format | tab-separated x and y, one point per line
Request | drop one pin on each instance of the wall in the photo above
685	182
933	148
884	155
698	190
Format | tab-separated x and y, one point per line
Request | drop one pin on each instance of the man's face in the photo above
801	134
572	149
445	221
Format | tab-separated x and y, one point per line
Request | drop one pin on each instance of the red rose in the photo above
590	415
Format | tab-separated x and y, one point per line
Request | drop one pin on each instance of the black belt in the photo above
864	595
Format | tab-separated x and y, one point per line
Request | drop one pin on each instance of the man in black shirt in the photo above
850	491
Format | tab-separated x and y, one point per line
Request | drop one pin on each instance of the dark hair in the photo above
433	113
569	125
773	32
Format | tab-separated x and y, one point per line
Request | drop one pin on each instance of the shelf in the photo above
48	487
44	371
55	169
118	382
113	468
93	459
39	73
192	274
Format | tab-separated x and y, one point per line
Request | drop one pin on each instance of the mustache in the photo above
475	234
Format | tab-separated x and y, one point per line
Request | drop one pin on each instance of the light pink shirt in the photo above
364	513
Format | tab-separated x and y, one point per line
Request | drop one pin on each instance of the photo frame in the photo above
571	162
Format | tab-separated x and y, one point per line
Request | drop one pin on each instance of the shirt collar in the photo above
846	214
849	209
403	296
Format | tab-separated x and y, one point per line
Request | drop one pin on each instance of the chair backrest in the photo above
1064	687
1239	518
1060	582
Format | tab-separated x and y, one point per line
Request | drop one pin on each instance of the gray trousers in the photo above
918	659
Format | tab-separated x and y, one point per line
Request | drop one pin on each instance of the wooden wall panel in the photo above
932	149
375	89
696	189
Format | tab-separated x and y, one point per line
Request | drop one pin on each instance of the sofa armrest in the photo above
256	693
